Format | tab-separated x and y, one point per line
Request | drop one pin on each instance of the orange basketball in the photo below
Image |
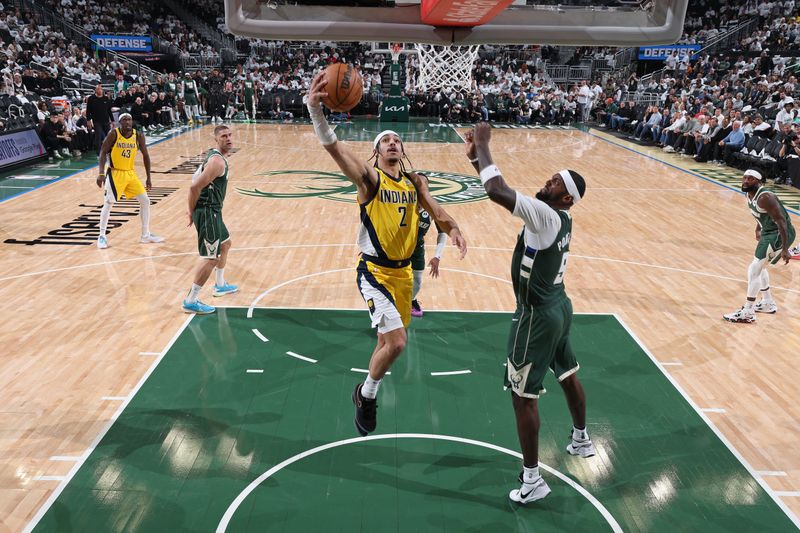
344	87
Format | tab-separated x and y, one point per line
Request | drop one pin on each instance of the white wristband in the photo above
473	160
441	240
488	173
321	127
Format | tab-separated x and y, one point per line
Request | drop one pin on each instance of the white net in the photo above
445	67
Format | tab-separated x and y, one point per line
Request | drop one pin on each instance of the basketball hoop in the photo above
396	49
445	67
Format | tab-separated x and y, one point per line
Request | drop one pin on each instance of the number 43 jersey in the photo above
123	153
540	256
389	221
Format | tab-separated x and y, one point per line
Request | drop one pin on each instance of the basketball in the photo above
344	87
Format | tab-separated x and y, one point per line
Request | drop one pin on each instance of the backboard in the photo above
565	22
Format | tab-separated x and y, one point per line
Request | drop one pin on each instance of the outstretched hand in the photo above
459	242
483	133
434	264
317	89
469	145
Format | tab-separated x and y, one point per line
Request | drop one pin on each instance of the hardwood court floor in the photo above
664	250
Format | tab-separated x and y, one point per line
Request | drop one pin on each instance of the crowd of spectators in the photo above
710	107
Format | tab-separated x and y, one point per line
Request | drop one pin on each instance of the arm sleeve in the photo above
542	223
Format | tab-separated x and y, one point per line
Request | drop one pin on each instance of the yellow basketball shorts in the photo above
124	182
387	292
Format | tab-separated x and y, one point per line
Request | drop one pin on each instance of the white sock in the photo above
766	295
108	203
370	388
220	277
417	283
530	475
579	434
144	211
194	293
104	214
748	305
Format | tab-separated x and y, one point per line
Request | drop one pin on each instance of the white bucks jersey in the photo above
540	257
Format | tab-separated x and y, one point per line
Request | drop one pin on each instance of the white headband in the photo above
125	115
381	135
572	189
755	173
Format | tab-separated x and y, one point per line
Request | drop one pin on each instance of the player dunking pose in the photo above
387	197
206	196
539	337
120	178
775	234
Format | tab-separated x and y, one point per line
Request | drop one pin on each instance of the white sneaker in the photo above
530	492
146	239
741	316
764	307
102	242
584	448
669	149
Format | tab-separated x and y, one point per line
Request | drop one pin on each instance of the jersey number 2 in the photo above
562	270
403	212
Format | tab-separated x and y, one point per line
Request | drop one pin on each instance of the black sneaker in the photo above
416	310
366	412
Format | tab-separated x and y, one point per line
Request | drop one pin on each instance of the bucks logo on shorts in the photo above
446	187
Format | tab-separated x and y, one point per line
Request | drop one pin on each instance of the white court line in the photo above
365	371
57	492
255	370
301	357
114	398
15	187
260	335
712	410
66	458
714	428
671	363
149	353
280	246
788	493
276	287
49	478
231	510
776	473
451	373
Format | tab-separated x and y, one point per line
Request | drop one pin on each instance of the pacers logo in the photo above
446	187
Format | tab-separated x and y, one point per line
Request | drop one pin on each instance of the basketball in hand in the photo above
344	87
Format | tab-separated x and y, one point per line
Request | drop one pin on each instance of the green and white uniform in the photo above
539	337
418	257
189	92
207	216
769	246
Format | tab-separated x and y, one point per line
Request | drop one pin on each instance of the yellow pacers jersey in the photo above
389	221
123	153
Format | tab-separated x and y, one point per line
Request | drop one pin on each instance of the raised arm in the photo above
362	175
769	202
105	149
477	147
438	214
215	166
142	142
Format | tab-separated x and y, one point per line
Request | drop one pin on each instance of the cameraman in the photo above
789	161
